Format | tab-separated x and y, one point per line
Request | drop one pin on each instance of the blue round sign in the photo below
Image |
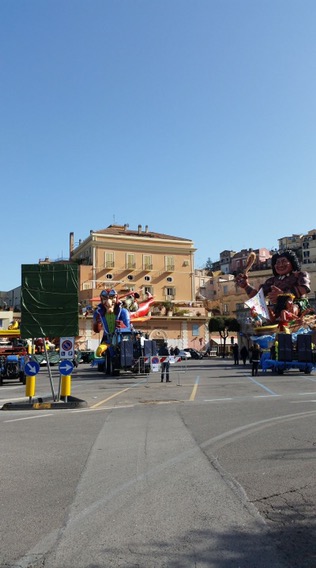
65	367
31	368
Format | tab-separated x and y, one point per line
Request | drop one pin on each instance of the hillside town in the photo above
162	266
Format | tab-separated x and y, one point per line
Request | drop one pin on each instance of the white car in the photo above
184	354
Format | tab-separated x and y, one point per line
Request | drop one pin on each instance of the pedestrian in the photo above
164	352
256	355
244	354
176	351
236	353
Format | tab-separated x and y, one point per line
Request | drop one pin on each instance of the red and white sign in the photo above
67	347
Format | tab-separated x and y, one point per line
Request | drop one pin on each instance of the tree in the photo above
209	265
223	325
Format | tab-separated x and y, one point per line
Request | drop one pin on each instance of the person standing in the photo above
256	355
236	353
244	354
164	352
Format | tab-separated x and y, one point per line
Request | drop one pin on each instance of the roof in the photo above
124	230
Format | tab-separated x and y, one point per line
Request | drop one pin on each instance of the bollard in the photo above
65	386
30	386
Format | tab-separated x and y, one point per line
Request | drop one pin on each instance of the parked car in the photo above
184	354
195	354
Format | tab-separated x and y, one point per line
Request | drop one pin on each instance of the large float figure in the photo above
287	278
287	311
114	316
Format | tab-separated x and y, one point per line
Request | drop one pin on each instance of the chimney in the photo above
139	229
146	228
71	243
126	226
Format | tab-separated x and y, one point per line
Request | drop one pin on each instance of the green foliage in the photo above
222	323
209	265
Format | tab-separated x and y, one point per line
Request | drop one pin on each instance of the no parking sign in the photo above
67	347
155	364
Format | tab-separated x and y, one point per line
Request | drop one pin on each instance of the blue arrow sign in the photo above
65	367
31	368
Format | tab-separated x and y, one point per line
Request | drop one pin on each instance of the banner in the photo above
258	302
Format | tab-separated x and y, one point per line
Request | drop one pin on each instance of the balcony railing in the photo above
169	267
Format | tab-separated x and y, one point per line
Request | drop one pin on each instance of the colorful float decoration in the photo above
280	305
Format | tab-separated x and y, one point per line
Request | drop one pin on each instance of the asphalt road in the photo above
215	469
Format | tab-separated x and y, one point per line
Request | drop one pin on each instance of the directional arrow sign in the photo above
65	367
31	368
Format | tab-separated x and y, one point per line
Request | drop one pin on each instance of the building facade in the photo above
143	261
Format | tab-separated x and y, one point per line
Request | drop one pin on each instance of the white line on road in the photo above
29	417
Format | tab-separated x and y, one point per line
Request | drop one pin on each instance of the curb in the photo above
48	404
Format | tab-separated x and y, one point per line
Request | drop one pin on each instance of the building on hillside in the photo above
239	260
309	249
225	259
223	295
291	243
203	284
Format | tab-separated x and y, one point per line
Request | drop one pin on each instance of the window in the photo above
169	263
170	292
169	279
109	276
149	289
147	278
130	277
109	260
147	262
195	330
130	261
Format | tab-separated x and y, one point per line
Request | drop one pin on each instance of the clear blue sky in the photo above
194	117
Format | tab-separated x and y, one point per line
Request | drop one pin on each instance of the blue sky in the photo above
194	117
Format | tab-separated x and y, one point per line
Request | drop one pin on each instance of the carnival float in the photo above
281	320
123	347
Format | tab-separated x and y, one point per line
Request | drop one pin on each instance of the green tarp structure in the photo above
49	300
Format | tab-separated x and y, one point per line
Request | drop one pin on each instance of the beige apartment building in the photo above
143	261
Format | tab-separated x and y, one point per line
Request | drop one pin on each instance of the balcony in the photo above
147	267
109	264
130	266
169	268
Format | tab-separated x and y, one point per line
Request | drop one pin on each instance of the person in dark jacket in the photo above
244	354
256	355
164	352
236	353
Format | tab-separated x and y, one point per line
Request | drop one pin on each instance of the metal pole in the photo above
49	370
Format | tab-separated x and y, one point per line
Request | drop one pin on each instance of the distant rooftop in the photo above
124	230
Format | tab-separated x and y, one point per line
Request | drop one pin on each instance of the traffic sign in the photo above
155	360
65	367
66	347
31	368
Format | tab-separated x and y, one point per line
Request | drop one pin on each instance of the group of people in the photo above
254	356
